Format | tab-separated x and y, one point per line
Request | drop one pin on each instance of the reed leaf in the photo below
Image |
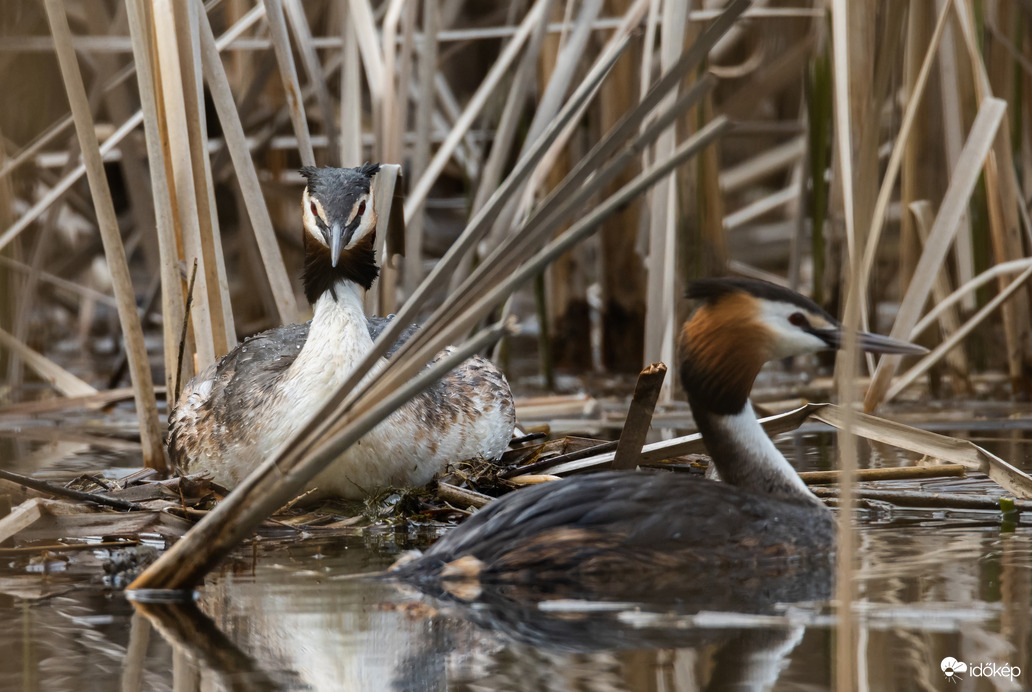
962	183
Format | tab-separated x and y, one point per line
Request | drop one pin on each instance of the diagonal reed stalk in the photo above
356	408
247	176
962	183
143	385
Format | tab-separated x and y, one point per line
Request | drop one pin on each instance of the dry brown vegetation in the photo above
875	154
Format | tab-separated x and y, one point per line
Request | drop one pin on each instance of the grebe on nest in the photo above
614	526
240	410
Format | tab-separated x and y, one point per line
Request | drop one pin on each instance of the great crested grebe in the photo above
240	410
600	526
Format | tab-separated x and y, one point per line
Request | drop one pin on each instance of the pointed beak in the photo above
871	343
336	243
340	236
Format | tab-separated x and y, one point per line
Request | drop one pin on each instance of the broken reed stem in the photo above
461	498
639	416
886	474
536	466
143	385
911	498
68	493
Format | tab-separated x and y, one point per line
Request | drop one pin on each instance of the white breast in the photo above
469	416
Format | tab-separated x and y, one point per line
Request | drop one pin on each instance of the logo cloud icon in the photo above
951	668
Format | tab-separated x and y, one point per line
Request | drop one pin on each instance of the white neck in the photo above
745	456
338	339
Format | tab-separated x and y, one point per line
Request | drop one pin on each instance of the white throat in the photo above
745	456
337	341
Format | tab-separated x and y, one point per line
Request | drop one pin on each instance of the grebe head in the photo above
742	324
339	227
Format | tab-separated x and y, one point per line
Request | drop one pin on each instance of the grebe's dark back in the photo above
585	527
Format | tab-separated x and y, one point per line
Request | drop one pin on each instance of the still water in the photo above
287	614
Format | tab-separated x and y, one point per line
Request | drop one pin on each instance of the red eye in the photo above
315	211
798	319
361	209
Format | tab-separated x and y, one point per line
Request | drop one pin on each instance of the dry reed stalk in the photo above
956	337
962	183
949	319
247	176
384	185
391	126
1003	200
894	473
846	631
990	274
214	266
639	416
418	194
350	93
901	148
167	66
143	385
953	139
421	150
162	193
59	378
365	31
930	444
914	185
766	163
316	78
660	301
288	73
395	128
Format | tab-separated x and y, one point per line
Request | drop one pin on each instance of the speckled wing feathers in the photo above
231	391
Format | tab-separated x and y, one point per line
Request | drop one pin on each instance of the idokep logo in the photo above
954	670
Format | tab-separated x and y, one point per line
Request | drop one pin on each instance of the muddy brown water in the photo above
933	585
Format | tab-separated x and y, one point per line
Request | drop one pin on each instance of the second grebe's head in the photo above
742	324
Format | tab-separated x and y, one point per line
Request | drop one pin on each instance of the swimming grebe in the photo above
616	524
239	411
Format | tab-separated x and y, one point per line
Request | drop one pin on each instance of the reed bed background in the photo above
936	161
876	155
